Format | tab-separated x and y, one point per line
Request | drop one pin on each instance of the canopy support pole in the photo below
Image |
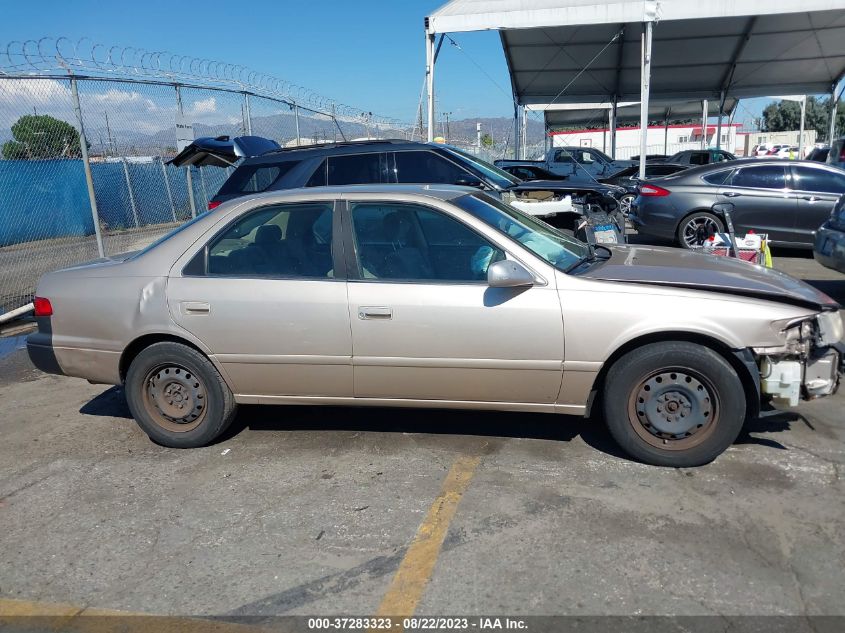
666	131
516	134
429	75
704	113
612	125
645	87
801	130
719	126
834	105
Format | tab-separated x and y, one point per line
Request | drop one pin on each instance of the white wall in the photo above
628	139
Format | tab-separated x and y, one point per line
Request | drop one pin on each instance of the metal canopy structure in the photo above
585	114
593	51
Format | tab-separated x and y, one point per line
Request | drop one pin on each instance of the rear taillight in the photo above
43	307
214	204
653	191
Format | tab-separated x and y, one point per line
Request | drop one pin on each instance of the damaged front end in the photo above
591	213
810	362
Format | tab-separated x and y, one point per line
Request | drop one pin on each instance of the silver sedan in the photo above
435	296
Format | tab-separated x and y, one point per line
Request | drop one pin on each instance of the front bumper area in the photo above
792	379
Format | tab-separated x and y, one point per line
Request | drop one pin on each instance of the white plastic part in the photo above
781	380
544	208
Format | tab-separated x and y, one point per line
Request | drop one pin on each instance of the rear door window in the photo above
699	158
426	168
760	177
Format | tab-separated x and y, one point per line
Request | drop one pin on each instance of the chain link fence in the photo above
55	130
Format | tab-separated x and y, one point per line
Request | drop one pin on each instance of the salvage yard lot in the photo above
312	510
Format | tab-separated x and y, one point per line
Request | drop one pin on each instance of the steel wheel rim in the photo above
625	204
698	229
674	408
175	397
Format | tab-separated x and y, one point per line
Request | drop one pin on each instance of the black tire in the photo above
707	225
693	378
177	396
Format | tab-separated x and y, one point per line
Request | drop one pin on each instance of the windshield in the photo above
499	177
560	250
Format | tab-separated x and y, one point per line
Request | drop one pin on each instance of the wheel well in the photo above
693	212
135	347
751	389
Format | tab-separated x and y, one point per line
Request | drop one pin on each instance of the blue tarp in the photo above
43	199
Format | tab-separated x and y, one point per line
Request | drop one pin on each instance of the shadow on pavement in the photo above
537	426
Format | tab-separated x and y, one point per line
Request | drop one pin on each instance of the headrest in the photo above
268	234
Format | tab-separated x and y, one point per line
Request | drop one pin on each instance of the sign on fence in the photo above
184	131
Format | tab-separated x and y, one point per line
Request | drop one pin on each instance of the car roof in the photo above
441	192
338	148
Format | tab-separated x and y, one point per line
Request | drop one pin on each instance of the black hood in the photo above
697	271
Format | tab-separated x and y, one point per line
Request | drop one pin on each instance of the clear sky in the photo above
365	53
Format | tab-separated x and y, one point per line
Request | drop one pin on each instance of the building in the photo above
662	139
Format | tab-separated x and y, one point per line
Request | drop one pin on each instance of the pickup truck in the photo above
575	163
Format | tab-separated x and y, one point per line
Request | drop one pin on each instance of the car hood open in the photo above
221	151
696	271
564	185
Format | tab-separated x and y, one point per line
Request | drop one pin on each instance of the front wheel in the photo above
625	203
674	404
177	396
694	229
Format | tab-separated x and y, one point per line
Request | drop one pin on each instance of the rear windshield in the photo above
255	178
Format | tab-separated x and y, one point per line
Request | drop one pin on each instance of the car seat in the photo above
406	260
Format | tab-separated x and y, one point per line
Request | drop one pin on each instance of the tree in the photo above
42	136
786	116
486	140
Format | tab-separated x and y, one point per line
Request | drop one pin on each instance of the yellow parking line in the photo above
416	567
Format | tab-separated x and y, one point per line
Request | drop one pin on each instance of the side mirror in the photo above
508	274
468	181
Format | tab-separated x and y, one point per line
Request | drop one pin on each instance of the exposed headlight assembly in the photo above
795	333
831	329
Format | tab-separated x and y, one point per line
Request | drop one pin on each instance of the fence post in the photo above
131	193
167	186
296	118
189	176
86	162
204	190
247	115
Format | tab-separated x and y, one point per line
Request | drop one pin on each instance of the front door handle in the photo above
375	312
810	198
731	194
195	307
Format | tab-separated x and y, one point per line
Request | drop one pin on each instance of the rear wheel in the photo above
177	396
625	203
697	227
674	404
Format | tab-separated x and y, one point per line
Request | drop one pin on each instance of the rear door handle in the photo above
375	312
731	194
195	307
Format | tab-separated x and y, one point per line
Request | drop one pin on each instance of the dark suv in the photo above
360	162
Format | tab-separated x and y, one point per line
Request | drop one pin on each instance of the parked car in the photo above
531	172
562	203
829	247
651	157
786	151
440	297
787	200
576	163
819	153
629	179
836	156
760	150
700	157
